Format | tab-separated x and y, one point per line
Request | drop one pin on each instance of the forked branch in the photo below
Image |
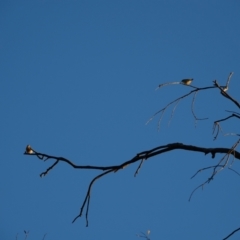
223	91
222	164
216	124
140	157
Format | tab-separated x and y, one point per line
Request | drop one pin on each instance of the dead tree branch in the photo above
225	94
145	155
216	124
222	164
176	101
223	91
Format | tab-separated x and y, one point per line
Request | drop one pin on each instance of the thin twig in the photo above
176	100
173	111
233	112
217	125
216	169
88	197
228	80
202	169
192	108
51	167
234	171
165	84
139	166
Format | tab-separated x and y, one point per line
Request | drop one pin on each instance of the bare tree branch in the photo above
173	111
223	90
225	94
165	84
228	236
223	163
194	115
139	167
176	101
234	171
233	112
87	198
228	81
216	124
224	119
139	157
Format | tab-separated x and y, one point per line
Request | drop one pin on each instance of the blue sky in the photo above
78	80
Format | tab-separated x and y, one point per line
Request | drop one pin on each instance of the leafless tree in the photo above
225	162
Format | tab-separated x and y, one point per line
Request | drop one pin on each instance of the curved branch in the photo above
194	115
223	91
229	77
140	165
87	198
222	164
145	155
224	119
142	155
216	124
196	89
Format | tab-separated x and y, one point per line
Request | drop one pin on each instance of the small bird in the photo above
225	88
187	81
29	149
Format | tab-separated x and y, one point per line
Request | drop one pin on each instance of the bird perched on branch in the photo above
29	149
187	81
225	88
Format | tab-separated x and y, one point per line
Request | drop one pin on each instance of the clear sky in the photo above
78	80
